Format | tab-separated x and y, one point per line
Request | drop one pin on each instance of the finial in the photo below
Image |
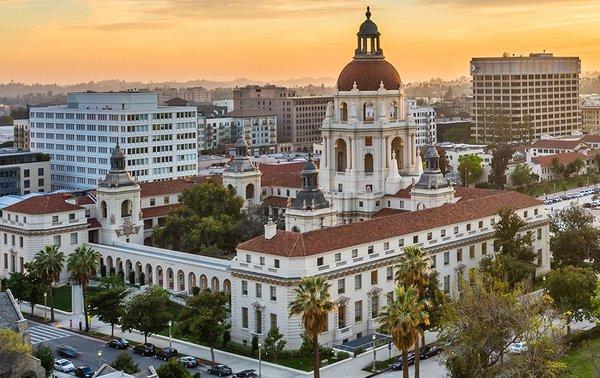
354	85
368	14
381	85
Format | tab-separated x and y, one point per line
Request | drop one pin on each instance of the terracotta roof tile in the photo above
44	204
565	144
159	211
293	244
275	201
591	138
158	188
563	158
93	223
283	174
85	200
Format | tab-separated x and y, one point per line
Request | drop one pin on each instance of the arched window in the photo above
344	112
295	229
231	188
398	149
249	191
103	209
368	163
126	208
368	112
341	160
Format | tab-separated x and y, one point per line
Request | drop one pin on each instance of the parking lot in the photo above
583	196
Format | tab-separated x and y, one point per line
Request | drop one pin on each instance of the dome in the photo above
368	75
368	28
118	152
431	153
241	142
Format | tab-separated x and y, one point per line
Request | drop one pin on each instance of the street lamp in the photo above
170	334
374	337
99	359
259	360
45	308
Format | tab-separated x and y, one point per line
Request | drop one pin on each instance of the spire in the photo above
118	176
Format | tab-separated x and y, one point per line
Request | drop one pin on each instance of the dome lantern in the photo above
368	39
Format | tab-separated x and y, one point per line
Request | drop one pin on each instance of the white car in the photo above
517	348
63	365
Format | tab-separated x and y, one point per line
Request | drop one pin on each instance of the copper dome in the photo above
368	75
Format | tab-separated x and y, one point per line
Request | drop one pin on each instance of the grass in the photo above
300	363
579	359
380	365
62	298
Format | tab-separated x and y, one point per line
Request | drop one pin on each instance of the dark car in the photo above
398	364
67	351
246	374
220	370
166	353
84	372
145	349
118	343
429	351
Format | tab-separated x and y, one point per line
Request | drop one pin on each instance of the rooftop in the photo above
44	204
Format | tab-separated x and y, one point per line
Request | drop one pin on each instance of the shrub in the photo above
112	271
359	350
142	279
103	270
195	290
46	357
342	356
172	369
326	353
226	337
254	344
125	363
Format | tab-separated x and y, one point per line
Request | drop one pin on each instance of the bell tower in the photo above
242	176
432	189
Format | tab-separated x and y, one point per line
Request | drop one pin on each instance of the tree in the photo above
27	286
522	176
444	164
470	168
48	263
574	239
572	289
274	343
578	165
112	281
13	352
147	312
312	302
501	156
108	306
46	357
556	167
403	318
204	319
125	363
81	264
172	369
414	268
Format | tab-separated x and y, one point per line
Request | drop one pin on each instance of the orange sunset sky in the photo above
68	41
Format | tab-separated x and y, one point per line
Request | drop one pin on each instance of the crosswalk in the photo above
44	333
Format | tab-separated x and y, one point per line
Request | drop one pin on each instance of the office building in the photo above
424	118
21	133
23	172
539	90
195	94
308	114
160	141
590	115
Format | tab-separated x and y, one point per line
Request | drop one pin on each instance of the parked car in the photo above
220	370
145	349
64	366
246	374
429	351
517	348
67	351
188	361
398	364
166	354
84	372
118	343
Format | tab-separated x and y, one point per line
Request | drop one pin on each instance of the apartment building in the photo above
23	172
307	114
424	118
21	133
195	94
160	141
539	89
590	115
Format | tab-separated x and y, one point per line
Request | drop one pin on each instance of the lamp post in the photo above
99	359
45	308
374	337
170	334
259	360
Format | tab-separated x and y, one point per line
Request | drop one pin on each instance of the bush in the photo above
195	290
132	277
46	357
226	337
142	279
254	345
125	363
197	375
172	369
359	350
102	270
121	275
112	271
238	348
342	356
577	338
326	353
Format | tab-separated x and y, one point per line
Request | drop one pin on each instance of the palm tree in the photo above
48	264
313	303
414	268
81	264
402	319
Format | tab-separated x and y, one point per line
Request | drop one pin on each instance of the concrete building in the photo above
540	88
23	172
258	127
195	94
424	118
271	98
307	116
214	131
590	115
160	141
21	133
228	103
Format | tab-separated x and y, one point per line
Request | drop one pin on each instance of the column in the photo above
325	151
349	154
386	149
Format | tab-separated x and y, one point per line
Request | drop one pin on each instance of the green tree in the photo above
13	352
501	156
112	281
274	343
27	286
556	167
81	265
172	369
125	363
596	301
572	289
521	176
204	319
578	165
46	357
312	302
108	306
574	239
470	168
48	263
147	312
403	319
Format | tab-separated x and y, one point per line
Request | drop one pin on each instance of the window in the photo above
468	226
72	216
429	235
6	261
480	224
166	200
389	273
459	255
152	201
447	283
358	311
244	287
446	258
433	261
73	238
261	260
370	249
244	317
386	246
375	306
273	293
354	253
258	290
484	248
401	243
21	241
374	277
472	252
539	257
273	321
341	286
56	240
41	182
442	233
319	261
248	259
54	218
40	171
358	282
539	234
535	212
26	173
338	257
368	141
416	239
276	263
455	230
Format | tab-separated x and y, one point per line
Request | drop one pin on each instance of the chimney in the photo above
270	229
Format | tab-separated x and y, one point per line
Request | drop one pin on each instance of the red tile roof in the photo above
93	223
386	212
404	193
563	158
466	194
159	211
564	144
282	174
158	188
44	204
294	244
591	138
85	200
274	201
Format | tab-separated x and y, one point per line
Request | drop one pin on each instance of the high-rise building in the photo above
538	93
590	115
21	133
307	116
424	118
160	142
272	98
23	172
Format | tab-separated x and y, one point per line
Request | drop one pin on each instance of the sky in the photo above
69	41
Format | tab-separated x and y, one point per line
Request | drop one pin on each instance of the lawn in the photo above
579	362
62	298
